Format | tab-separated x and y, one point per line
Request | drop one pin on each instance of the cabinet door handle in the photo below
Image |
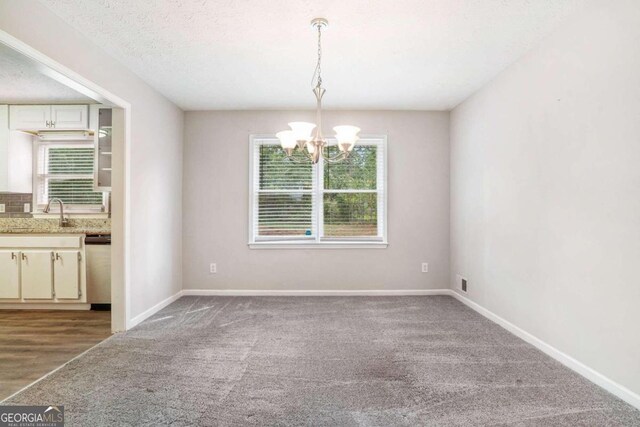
24	257
58	256
13	255
53	124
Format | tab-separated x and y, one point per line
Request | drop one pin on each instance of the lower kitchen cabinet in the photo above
66	274
42	269
37	274
10	277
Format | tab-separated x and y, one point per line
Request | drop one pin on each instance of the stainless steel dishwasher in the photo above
98	251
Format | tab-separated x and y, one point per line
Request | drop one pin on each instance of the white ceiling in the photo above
384	54
22	82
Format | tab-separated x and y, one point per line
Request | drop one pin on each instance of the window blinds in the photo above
351	193
66	172
284	196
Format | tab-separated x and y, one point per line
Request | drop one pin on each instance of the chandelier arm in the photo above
334	159
300	157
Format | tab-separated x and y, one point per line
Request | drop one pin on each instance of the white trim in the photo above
44	306
153	310
318	245
302	292
592	375
318	192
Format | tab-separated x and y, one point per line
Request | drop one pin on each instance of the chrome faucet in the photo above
64	222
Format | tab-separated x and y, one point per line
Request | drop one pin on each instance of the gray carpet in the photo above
339	361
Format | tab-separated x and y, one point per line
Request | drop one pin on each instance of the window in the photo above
329	204
65	172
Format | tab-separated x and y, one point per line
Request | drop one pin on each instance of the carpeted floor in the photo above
370	361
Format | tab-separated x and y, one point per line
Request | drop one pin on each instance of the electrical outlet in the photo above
462	283
27	208
2	208
213	269
425	267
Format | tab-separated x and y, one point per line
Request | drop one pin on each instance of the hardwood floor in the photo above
35	342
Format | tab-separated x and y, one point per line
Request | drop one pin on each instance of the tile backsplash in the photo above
14	204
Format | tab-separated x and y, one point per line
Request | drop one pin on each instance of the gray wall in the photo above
156	149
215	206
545	191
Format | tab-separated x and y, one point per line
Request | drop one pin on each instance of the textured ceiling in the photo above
384	54
21	82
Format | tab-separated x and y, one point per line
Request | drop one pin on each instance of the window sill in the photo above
320	245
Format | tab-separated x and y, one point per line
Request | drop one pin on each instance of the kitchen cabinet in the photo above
37	274
29	117
10	277
66	274
101	123
66	117
48	117
42	269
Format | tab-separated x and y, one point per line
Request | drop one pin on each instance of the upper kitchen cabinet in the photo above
29	117
101	123
65	117
48	117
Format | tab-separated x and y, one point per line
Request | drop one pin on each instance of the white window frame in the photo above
318	242
38	208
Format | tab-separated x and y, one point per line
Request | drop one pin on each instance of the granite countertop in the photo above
52	226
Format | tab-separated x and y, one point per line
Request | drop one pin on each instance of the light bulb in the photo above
287	139
311	147
347	137
302	130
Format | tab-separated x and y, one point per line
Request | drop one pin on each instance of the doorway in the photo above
118	200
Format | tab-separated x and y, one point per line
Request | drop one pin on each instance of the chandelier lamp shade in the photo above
304	141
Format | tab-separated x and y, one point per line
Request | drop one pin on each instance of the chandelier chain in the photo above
317	74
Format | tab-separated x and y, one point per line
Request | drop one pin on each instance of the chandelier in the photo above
301	143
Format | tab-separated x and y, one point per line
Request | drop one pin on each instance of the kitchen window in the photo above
329	205
65	171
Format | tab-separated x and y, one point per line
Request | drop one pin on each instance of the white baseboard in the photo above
153	310
300	292
44	306
596	377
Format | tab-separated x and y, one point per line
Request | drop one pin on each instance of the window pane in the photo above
70	161
277	172
350	214
357	172
288	214
74	191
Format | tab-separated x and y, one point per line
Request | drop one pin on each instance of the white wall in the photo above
4	148
20	162
545	191
16	157
156	151
215	205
